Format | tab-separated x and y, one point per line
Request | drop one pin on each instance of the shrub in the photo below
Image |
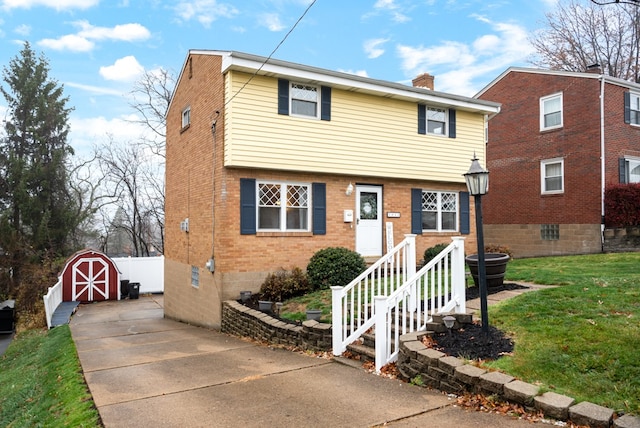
622	205
334	266
431	252
282	285
493	248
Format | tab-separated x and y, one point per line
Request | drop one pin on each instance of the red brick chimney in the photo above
425	80
594	68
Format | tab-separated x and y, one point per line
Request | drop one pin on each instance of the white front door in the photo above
369	220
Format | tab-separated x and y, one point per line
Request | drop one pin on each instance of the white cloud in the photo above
23	30
86	133
483	57
361	73
70	42
271	21
392	7
204	11
125	69
96	90
83	40
54	4
126	32
373	49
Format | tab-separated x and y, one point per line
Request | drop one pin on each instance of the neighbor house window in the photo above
549	232
551	112
634	109
195	276
439	211
283	206
630	170
552	176
186	117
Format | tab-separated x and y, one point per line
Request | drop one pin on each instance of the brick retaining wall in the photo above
240	320
424	366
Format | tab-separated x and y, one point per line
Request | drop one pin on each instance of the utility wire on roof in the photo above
272	52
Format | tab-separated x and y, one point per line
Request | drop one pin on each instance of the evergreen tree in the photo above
36	210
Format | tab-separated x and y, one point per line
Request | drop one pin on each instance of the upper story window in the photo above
632	108
186	117
436	121
304	100
439	211
283	206
552	176
551	112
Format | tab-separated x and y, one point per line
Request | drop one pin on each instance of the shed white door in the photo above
90	280
369	220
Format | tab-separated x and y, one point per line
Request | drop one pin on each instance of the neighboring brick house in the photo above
268	162
559	140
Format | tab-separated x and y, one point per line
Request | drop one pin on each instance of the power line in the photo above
272	52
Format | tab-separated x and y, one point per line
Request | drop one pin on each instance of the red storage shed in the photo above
89	276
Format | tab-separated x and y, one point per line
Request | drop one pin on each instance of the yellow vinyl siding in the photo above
367	135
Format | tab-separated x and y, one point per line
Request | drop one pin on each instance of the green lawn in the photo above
582	338
42	385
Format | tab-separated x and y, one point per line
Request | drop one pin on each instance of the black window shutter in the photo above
622	170
283	96
452	123
416	211
627	107
325	106
247	206
422	119
319	213
465	228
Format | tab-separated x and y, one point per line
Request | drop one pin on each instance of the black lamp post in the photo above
477	180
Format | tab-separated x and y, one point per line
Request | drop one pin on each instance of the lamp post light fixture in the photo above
477	179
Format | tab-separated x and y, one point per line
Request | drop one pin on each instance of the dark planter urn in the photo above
496	266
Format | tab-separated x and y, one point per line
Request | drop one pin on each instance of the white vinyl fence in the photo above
148	271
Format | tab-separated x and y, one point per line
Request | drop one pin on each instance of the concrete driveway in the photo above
147	371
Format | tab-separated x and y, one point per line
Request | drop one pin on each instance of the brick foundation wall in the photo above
524	239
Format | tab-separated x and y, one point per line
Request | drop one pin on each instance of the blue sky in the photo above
99	48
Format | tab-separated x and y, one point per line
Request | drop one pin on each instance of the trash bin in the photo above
124	288
134	290
7	316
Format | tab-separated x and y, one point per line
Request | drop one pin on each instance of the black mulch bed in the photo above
468	342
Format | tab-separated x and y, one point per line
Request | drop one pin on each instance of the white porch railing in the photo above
52	299
405	300
352	306
432	290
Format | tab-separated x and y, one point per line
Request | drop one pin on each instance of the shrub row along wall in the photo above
240	320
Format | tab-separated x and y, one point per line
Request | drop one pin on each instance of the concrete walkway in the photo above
145	370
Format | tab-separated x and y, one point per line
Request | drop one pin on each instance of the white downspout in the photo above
602	160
